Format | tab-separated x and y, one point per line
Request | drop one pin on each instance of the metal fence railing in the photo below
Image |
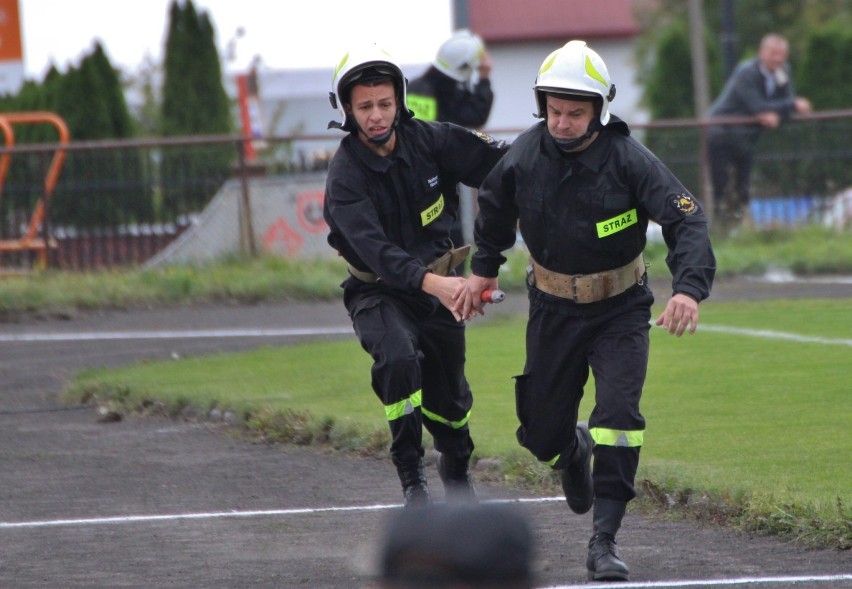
119	203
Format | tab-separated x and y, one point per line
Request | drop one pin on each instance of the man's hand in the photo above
484	68
470	305
680	313
803	105
448	290
769	119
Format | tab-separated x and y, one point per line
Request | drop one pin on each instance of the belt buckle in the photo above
574	288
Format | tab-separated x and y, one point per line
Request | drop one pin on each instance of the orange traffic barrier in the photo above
30	241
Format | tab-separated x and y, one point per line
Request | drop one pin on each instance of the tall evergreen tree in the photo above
179	98
210	90
194	103
119	123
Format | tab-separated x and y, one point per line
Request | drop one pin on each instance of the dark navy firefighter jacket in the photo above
589	212
392	216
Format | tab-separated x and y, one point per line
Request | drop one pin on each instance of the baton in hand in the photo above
493	296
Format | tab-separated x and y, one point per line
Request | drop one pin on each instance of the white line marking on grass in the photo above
787	277
713	582
184	334
779	335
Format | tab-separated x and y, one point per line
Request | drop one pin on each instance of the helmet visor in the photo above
371	74
569	94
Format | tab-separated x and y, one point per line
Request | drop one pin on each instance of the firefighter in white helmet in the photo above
390	202
582	192
456	88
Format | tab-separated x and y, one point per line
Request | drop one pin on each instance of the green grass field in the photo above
757	421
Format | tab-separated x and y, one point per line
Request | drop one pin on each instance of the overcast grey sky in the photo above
61	31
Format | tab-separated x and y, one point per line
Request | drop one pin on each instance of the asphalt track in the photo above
149	502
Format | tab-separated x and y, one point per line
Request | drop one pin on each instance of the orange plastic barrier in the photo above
30	241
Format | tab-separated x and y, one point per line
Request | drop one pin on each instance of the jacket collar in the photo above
374	161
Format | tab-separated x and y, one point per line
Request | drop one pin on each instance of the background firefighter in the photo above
456	88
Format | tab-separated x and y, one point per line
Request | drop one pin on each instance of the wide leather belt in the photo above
442	266
586	288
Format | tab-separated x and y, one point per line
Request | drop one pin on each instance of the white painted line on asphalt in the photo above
343	330
131	519
713	582
183	334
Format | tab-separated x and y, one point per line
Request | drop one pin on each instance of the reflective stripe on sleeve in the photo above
616	437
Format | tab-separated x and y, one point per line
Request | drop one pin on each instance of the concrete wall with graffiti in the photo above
286	214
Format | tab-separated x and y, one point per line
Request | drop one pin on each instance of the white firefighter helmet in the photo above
362	64
460	55
574	70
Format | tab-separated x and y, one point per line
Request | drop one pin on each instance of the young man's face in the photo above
568	119
374	109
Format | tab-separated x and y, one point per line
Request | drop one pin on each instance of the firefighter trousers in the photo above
418	352
564	341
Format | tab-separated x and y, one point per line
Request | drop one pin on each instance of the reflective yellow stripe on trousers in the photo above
406	406
453	424
610	437
616	437
403	407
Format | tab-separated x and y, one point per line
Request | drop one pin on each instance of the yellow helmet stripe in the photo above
593	73
548	63
340	65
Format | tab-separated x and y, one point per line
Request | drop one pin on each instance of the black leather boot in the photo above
576	475
603	561
456	478
414	489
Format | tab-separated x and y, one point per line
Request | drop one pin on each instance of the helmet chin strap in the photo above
570	145
384	137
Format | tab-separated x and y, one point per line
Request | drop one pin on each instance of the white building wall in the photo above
513	77
295	102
